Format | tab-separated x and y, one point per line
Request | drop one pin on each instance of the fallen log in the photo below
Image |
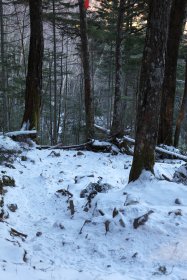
112	145
159	150
102	129
84	146
93	145
22	135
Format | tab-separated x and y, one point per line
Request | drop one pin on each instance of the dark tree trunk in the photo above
2	71
117	128
181	112
87	74
55	130
168	91
34	74
151	79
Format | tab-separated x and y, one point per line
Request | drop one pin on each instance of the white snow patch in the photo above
8	144
92	244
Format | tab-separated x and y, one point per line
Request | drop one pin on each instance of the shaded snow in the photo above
58	246
6	143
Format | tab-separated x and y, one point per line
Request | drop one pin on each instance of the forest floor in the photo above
72	215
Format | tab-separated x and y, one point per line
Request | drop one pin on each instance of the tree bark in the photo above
34	73
55	129
181	112
87	74
169	86
117	128
2	72
151	79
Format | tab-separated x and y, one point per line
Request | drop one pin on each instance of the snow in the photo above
21	132
92	244
7	144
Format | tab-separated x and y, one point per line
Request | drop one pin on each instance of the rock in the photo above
107	226
9	165
95	187
177	212
65	193
23	158
12	207
180	175
54	154
115	212
84	193
7	181
121	222
178	201
79	153
39	233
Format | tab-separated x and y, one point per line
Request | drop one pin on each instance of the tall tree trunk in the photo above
87	73
117	128
55	132
169	86
34	74
151	79
181	112
2	71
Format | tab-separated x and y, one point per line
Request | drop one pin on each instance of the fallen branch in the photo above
71	147
159	150
14	232
102	129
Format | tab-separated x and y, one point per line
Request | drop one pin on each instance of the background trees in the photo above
64	107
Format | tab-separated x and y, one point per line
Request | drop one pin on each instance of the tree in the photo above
3	80
34	73
87	76
182	111
151	79
169	85
117	128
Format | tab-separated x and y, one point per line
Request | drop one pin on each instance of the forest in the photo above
93	139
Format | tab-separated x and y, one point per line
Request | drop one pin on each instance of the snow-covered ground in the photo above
73	229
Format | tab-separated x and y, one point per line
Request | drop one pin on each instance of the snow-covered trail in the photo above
58	246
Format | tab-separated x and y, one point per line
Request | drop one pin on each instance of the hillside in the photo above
73	215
